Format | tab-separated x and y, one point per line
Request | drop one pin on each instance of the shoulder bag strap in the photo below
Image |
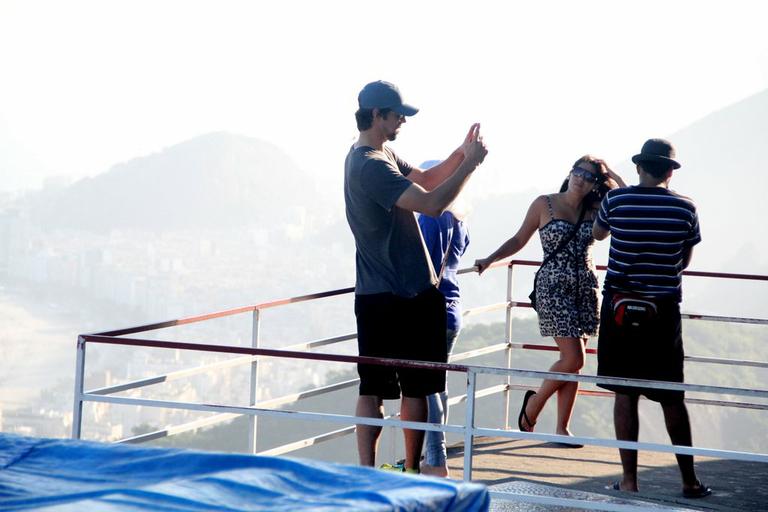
567	240
445	256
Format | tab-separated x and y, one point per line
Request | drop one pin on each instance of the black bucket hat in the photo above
657	150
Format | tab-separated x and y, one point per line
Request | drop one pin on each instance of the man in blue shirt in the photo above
653	231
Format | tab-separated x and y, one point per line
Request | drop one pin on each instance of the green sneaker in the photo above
392	467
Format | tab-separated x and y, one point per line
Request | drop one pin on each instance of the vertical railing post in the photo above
77	412
508	340
254	397
469	424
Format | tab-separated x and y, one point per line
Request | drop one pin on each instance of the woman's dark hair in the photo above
656	169
364	117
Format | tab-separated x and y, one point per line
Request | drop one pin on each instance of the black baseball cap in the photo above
381	94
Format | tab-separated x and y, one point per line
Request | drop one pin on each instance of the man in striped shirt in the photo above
653	231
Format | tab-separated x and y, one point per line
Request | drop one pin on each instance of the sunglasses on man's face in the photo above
395	115
585	174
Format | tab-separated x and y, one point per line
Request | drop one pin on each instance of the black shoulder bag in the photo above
532	296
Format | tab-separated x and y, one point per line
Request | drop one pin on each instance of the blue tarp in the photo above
58	474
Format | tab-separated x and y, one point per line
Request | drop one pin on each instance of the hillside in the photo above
214	180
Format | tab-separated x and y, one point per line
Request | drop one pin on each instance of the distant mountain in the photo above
214	180
725	170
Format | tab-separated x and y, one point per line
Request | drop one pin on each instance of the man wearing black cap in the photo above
653	231
400	313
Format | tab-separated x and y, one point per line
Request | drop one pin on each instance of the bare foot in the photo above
430	470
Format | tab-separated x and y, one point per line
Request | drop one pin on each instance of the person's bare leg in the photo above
679	429
627	424
566	399
571	361
413	409
566	395
368	406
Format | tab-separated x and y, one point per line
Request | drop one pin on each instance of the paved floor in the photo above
736	485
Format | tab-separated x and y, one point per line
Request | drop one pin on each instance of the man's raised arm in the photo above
434	202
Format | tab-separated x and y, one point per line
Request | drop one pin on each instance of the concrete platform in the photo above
736	485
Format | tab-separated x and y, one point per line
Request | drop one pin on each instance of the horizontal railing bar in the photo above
500	347
484	309
172	376
725	275
178	429
538	374
693	358
516	434
694	273
295	397
290	354
256	411
693	401
727	319
734	362
550	348
328	341
481	393
615	443
727	403
169	377
685	316
224	313
310	441
286	399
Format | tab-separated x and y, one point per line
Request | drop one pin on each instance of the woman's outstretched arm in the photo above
518	241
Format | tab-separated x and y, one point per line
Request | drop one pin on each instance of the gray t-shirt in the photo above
391	255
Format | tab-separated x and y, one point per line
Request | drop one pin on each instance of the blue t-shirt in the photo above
446	234
651	227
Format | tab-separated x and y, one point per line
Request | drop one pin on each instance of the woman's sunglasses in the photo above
585	174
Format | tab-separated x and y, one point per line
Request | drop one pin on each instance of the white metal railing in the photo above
254	354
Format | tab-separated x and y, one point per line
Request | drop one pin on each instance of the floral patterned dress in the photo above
567	287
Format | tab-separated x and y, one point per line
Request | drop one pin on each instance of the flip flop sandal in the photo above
697	492
565	445
523	416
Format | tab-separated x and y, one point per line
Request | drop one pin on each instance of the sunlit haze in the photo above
87	85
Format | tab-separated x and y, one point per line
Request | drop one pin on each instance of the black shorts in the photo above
395	327
652	352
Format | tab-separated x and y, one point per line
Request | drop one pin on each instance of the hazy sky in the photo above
89	84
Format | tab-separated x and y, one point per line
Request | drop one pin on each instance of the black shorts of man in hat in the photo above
653	231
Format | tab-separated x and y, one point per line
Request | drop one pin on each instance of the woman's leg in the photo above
566	395
571	361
